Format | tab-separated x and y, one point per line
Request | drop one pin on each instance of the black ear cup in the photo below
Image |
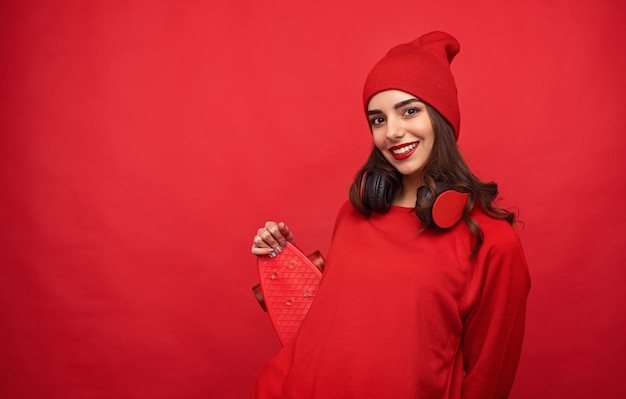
377	191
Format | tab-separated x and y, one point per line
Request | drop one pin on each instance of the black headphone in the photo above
378	190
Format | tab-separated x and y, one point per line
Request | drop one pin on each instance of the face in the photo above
401	130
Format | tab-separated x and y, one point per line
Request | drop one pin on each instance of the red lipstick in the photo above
403	151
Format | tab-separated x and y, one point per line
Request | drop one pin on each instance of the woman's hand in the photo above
270	239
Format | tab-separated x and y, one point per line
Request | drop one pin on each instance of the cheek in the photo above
379	140
429	148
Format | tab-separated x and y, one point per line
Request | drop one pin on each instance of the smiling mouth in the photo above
403	151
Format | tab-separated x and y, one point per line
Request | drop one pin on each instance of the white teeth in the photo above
406	149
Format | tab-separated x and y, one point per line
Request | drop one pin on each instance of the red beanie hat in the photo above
422	68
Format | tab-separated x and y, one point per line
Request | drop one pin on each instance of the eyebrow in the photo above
396	106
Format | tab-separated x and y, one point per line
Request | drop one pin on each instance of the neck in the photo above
408	196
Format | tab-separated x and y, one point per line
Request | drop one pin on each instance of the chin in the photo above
409	170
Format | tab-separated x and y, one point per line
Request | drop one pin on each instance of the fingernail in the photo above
272	255
279	249
284	243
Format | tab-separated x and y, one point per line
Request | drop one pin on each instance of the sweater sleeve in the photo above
494	328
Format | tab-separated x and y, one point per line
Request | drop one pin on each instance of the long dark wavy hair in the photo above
444	165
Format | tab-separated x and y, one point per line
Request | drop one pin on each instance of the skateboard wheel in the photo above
317	259
258	293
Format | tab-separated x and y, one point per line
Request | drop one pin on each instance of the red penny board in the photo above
289	283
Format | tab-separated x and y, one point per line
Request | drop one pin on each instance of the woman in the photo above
407	309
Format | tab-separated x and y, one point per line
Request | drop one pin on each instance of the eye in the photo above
411	111
377	121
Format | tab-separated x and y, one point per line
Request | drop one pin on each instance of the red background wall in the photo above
142	144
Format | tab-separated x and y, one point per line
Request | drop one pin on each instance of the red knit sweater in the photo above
401	314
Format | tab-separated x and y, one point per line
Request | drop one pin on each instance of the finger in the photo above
286	233
278	236
267	238
263	251
258	242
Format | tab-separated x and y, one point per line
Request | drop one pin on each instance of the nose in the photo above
395	129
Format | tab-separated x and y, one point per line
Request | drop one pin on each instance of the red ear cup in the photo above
448	208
